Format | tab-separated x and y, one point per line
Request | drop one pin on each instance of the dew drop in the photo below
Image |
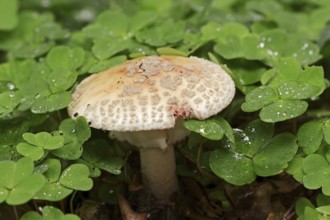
11	86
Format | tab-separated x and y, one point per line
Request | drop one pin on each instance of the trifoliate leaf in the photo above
76	177
98	155
274	156
250	140
44	140
18	182
259	98
317	170
75	133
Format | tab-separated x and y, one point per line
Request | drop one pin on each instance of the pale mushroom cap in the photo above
151	92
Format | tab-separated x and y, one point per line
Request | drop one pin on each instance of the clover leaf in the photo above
310	136
275	155
76	177
8	102
307	25
213	128
256	151
51	103
52	190
317	173
49	213
234	41
233	167
75	133
8	14
65	58
162	34
259	98
326	131
61	184
305	209
18	183
36	86
34	35
284	90
36	144
98	155
104	32
295	168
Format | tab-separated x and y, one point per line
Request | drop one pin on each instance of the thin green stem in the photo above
71	201
15	213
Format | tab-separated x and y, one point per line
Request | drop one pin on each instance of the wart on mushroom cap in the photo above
143	101
151	92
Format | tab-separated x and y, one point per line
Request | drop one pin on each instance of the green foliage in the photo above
49	213
8	14
213	129
254	153
18	182
306	210
277	52
97	156
34	35
284	90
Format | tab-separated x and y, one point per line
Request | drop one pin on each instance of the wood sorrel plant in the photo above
277	52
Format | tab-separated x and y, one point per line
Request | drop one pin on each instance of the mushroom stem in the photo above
158	171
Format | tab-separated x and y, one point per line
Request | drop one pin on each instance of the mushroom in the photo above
144	102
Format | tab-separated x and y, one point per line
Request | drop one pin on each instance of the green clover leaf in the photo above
61	184
8	14
110	38
51	103
285	88
275	155
76	177
18	183
310	136
98	155
65	58
295	168
213	128
282	110
34	35
75	133
233	167
38	143
326	131
256	151
49	213
8	102
317	173
259	98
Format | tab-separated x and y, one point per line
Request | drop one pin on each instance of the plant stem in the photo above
71	201
15	212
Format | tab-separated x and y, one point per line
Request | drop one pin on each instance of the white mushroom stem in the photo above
159	171
157	157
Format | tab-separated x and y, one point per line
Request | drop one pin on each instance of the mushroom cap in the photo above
151	92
